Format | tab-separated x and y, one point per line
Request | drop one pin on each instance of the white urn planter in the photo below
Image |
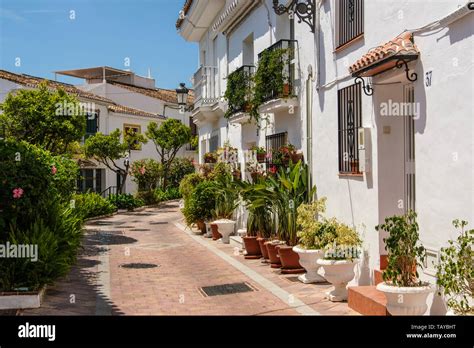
226	228
308	260
338	273
406	300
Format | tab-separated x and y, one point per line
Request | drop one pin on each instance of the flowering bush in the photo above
31	178
147	174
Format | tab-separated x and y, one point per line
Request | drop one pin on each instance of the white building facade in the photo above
381	108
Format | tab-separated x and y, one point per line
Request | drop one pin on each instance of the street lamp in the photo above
182	92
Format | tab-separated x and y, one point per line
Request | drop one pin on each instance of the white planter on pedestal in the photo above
338	273
406	300
308	259
226	228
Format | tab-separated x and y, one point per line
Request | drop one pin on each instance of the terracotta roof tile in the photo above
132	111
401	45
33	81
186	7
167	95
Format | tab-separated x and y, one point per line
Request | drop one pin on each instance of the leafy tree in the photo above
168	138
109	149
49	118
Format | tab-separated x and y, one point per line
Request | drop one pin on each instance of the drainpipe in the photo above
309	125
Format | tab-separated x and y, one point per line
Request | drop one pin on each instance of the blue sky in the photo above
104	32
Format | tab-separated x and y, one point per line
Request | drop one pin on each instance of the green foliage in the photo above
168	138
308	226
180	167
30	179
187	185
340	241
201	203
404	250
58	239
260	219
170	194
35	116
89	205
227	198
147	173
195	143
109	149
126	201
455	274
269	78
238	93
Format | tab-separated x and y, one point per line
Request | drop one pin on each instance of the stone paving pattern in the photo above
98	285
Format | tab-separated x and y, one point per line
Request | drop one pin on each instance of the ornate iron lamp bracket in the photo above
304	10
367	88
410	77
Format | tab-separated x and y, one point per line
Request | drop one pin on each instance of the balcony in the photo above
275	82
239	94
206	95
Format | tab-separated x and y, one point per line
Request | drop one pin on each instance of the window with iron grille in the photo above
350	119
273	144
350	19
92	123
194	133
214	143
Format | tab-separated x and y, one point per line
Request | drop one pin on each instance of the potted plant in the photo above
340	256
260	153
251	244
227	195
310	248
259	222
290	190
210	157
455	274
199	205
405	293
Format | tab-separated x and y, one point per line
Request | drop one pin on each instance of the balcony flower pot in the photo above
237	174
406	300
338	273
308	259
273	253
263	249
215	232
252	247
260	157
226	228
289	260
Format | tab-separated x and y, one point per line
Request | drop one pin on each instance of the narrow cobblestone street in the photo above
180	264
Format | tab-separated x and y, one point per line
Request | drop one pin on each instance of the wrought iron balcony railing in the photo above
287	53
240	81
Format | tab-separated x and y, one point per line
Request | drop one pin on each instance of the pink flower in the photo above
268	155
273	169
17	193
54	170
142	170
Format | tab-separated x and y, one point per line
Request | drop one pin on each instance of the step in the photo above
367	300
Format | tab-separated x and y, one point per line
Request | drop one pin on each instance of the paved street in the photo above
182	263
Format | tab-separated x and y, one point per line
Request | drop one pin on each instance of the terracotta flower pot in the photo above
215	232
289	260
252	247
273	254
260	157
263	249
201	226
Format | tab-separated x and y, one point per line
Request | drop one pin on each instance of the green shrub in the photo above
126	201
201	203
147	173
180	167
88	205
170	194
189	182
57	240
148	197
30	179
